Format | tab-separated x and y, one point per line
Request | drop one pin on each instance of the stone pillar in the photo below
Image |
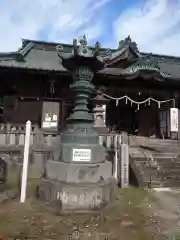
99	113
124	166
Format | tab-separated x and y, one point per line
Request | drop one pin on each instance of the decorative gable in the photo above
126	53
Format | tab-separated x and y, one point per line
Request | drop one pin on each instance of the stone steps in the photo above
158	159
154	184
161	171
149	142
168	165
143	173
171	184
163	184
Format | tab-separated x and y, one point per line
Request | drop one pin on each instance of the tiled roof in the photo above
171	68
30	56
36	59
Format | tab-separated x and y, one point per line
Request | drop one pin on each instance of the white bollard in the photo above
25	162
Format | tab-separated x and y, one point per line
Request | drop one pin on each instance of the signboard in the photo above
174	119
47	124
50	116
81	155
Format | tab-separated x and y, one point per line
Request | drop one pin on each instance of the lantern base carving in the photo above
63	197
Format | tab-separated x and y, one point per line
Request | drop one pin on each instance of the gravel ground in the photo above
127	218
167	210
136	214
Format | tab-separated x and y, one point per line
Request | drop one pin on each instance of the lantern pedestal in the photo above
63	198
70	187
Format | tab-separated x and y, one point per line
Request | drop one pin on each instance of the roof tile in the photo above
45	59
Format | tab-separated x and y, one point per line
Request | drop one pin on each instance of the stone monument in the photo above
80	179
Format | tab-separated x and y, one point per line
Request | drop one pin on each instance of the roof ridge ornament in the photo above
59	50
83	48
83	40
108	52
97	48
128	42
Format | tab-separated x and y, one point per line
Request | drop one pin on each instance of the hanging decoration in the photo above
117	101
148	100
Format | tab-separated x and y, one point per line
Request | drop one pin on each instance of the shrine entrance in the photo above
124	117
120	118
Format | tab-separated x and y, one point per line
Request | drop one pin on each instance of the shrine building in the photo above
136	92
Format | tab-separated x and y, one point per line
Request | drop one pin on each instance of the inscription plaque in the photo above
81	155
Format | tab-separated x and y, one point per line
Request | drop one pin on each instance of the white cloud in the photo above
155	26
61	19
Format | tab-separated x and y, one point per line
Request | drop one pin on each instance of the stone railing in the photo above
12	138
14	135
110	141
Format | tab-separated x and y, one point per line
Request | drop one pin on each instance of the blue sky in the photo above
153	24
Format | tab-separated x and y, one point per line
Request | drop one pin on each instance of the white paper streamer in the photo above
148	100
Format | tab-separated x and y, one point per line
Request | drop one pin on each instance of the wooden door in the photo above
66	109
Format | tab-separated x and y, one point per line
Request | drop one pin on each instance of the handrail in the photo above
149	164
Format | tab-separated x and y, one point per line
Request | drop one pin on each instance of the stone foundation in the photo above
79	198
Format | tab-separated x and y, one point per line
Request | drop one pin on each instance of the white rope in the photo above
136	102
